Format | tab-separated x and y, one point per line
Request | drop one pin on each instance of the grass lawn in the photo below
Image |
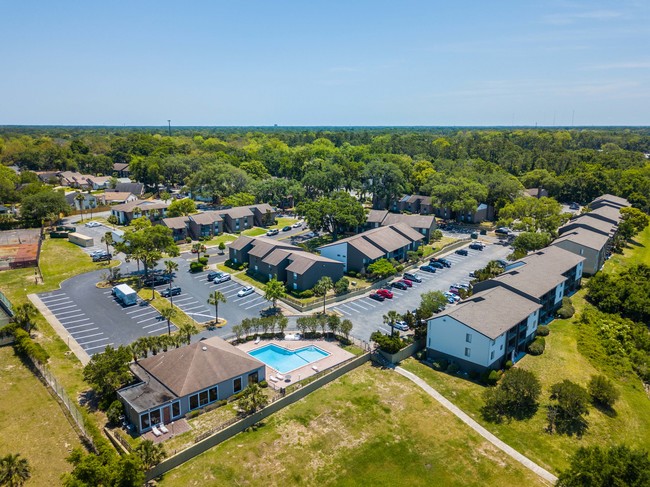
159	303
283	222
254	232
224	237
370	427
636	253
32	423
562	359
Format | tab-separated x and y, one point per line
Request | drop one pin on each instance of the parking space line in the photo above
144	314
232	284
160	329
150	325
369	304
200	276
68	312
92	341
57	298
237	300
74	321
231	293
252	300
79	326
185	304
58	305
86	331
354	303
353	309
63	307
99	346
150	318
257	304
193	307
183	299
135	310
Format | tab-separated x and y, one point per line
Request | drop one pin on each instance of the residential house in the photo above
184	379
121	169
179	226
89	201
116	197
98	182
609	200
545	276
205	224
135	188
74	179
240	249
535	192
588	243
483	212
357	252
48	177
416	203
152	209
424	224
485	330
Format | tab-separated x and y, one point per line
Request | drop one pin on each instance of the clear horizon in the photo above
340	64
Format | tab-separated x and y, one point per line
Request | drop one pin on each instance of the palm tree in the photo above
390	319
274	291
168	314
150	454
186	330
80	198
170	267
108	240
14	471
214	299
23	315
322	287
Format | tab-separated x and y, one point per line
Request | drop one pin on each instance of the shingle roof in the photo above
413	221
584	237
276	256
261	207
142	204
617	200
237	212
120	166
589	221
178	222
376	242
115	196
302	261
135	188
241	242
424	200
206	217
376	216
492	312
608	212
198	366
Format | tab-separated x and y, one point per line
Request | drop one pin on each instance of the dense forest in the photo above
459	168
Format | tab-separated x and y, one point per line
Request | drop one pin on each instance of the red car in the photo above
407	282
385	293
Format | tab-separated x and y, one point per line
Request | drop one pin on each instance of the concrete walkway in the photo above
526	462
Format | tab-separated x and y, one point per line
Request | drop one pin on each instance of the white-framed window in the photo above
468	337
203	398
468	352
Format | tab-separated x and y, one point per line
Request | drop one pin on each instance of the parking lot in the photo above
93	318
367	314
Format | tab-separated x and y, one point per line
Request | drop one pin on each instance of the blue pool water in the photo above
283	360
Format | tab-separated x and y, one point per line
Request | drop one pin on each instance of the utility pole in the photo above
169	124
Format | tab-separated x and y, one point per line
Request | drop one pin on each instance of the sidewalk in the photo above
525	461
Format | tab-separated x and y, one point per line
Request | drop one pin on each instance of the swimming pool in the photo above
284	360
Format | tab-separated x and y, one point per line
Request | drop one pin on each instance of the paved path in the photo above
526	462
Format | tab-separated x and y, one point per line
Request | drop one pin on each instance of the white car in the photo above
297	225
93	224
245	291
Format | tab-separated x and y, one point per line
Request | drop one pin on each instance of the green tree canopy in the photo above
108	371
183	207
333	214
533	215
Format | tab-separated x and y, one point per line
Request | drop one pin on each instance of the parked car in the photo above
212	275
376	297
502	231
245	291
502	263
170	291
401	326
407	282
272	232
297	225
452	296
223	277
93	224
472	275
574	206
286	229
427	268
462	252
156	280
98	252
102	257
476	246
461	286
436	264
454	290
385	293
445	262
399	285
412	277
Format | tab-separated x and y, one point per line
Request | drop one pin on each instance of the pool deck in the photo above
336	356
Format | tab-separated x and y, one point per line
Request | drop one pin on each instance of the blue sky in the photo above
325	63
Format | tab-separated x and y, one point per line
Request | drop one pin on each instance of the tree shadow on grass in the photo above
634	243
606	410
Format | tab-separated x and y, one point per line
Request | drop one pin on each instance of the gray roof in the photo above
302	261
120	166
608	212
206	217
144	205
115	195
376	216
589	221
261	207
616	200
178	222
585	237
492	312
135	188
146	394
413	221
198	366
237	212
424	200
377	241
241	242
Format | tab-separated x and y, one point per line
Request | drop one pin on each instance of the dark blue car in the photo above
427	268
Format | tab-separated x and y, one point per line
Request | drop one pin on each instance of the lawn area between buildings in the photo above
33	423
370	427
283	221
254	232
565	357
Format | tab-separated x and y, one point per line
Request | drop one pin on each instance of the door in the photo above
166	414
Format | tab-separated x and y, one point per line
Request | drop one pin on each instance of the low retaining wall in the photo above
247	422
395	358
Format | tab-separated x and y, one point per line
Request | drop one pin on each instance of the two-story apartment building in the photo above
242	218
485	330
545	276
424	224
205	224
591	245
357	252
152	209
609	200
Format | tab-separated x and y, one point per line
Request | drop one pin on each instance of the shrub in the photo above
388	344
26	346
543	331
537	346
342	286
188	239
203	260
602	391
115	410
264	384
515	396
306	294
196	267
567	309
452	368
492	377
193	414
509	365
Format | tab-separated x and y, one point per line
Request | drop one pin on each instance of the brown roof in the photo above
178	222
376	216
585	237
261	207
120	166
492	312
206	217
142	204
115	196
98	179
198	366
413	221
237	212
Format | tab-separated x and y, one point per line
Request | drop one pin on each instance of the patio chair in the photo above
163	428
156	431
257	340
279	376
272	379
316	369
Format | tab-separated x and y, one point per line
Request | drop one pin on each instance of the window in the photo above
468	337
176	409
501	347
194	401
468	352
295	275
253	378
144	421
236	384
155	416
203	398
213	394
492	355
